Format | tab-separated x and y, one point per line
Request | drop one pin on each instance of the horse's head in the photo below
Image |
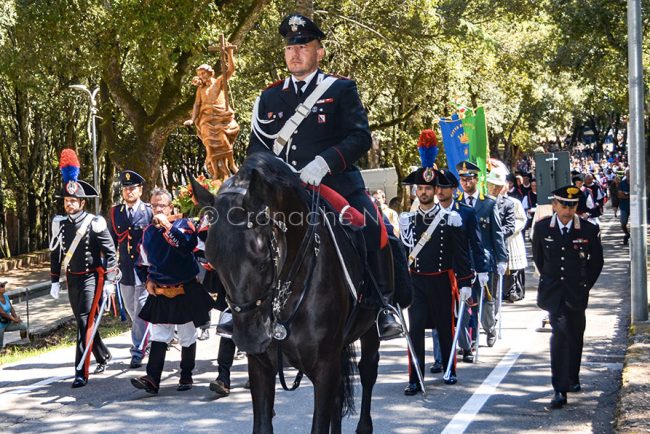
246	242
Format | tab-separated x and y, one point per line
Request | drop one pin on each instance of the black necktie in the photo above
299	86
565	231
470	199
130	213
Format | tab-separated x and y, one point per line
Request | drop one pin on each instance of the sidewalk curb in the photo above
16	294
633	408
52	326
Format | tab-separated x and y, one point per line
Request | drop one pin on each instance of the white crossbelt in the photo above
426	235
75	243
302	111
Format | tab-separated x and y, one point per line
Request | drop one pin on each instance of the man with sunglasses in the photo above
128	221
569	256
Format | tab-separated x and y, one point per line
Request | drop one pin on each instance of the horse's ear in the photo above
256	193
201	194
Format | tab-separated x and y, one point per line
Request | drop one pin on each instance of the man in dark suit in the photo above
331	136
569	257
128	221
492	238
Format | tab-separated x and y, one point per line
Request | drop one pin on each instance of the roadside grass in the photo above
61	337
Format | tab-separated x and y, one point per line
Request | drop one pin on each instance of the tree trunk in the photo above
5	251
153	129
507	151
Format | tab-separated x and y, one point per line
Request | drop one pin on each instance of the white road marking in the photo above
28	388
473	405
22	389
470	409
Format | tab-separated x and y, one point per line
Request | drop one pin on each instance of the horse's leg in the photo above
337	413
261	373
327	387
368	366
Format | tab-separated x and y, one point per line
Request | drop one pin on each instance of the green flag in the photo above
476	129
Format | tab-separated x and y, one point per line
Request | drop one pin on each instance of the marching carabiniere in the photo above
128	221
176	299
569	257
316	123
439	264
446	187
492	238
83	254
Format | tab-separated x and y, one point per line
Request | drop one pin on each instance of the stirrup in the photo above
224	317
387	309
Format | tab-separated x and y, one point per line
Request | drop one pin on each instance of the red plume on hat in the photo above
428	148
69	165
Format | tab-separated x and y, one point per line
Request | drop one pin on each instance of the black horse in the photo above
275	256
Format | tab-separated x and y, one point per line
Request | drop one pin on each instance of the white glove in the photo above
465	293
483	279
501	268
314	172
109	289
54	290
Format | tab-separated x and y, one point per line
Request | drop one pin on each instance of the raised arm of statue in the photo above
230	49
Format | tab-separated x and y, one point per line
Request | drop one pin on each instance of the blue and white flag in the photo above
454	142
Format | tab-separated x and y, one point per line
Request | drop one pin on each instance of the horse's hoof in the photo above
364	429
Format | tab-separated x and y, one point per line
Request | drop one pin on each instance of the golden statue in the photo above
214	118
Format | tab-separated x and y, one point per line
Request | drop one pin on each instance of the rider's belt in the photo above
81	273
165	291
435	273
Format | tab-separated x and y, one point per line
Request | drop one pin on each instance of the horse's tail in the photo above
348	367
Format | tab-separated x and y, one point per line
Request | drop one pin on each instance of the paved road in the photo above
508	391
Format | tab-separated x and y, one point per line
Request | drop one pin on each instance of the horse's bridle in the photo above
280	290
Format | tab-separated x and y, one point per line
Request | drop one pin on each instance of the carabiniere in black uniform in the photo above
438	271
335	129
569	266
92	264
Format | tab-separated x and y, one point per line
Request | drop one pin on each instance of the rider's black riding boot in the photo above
389	327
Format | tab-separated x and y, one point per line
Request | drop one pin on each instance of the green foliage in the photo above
542	69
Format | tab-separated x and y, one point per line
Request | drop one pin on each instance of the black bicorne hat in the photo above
298	29
446	179
422	176
79	189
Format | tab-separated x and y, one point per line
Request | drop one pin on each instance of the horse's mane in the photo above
273	172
